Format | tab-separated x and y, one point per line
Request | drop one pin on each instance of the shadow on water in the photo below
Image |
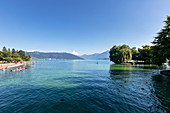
130	71
161	85
147	78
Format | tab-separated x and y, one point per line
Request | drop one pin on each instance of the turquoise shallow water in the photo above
84	87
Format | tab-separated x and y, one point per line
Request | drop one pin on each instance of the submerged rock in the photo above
61	99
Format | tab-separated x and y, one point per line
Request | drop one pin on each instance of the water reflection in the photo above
144	81
161	85
10	74
120	74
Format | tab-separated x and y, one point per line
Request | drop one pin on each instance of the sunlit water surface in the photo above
84	87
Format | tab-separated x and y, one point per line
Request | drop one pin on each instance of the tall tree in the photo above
22	54
161	49
125	54
4	49
145	54
6	54
27	57
15	55
13	51
135	54
1	56
119	54
9	49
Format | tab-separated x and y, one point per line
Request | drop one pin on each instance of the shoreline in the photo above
13	65
165	72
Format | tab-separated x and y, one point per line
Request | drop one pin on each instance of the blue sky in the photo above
83	26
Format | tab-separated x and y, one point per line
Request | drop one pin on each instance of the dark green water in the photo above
84	87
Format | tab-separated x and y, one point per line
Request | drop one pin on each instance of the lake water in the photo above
84	87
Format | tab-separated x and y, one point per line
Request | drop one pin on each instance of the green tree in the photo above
9	49
125	54
8	59
27	57
1	56
161	49
6	54
157	57
135	54
145	54
4	49
13	51
119	54
15	55
22	54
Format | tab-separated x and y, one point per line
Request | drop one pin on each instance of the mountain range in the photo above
68	56
54	55
97	56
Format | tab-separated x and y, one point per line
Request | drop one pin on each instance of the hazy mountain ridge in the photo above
54	55
102	56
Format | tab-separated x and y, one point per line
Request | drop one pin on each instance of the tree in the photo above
135	54
4	49
161	49
15	55
145	54
119	54
22	54
27	57
6	54
157	57
1	56
13	51
8	59
125	54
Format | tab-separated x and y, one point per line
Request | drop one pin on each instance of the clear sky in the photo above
83	26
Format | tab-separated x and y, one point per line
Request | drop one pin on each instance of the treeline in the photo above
121	54
157	54
14	55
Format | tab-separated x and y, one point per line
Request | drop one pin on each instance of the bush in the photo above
8	59
17	59
16	55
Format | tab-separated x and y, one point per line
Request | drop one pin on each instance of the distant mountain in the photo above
97	56
54	55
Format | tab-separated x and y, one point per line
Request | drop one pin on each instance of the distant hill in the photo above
97	56
54	55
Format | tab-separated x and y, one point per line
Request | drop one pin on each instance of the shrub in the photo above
17	59
8	59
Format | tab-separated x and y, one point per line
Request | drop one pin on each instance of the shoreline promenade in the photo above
12	65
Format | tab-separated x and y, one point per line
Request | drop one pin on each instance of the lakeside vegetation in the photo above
157	54
14	55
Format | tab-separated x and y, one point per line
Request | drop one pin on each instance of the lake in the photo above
84	87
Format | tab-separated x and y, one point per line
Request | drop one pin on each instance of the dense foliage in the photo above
145	54
124	53
161	48
157	54
7	55
119	54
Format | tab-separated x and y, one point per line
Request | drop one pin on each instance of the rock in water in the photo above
61	99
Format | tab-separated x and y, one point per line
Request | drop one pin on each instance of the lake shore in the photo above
165	72
12	65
